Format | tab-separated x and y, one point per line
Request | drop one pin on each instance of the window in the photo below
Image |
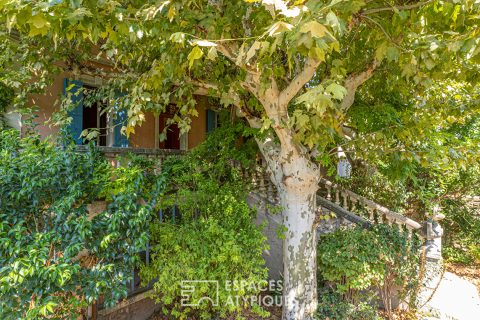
172	140
92	117
212	120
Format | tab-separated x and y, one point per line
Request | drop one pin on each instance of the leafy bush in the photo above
354	261
54	257
6	99
462	233
222	245
214	238
331	305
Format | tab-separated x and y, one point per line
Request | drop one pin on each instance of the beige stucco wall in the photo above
198	130
144	137
47	104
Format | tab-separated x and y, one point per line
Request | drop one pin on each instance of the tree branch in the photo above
299	81
271	153
226	52
202	88
354	81
252	83
395	8
223	49
243	112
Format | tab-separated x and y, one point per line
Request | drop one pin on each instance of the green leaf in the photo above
51	305
38	25
178	37
392	54
38	21
381	51
266	124
337	91
316	29
78	14
212	54
334	22
195	54
279	27
317	54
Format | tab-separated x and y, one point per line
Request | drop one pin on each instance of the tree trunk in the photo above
298	200
296	178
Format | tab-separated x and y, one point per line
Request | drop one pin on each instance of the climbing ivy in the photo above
213	236
227	155
358	260
6	99
55	258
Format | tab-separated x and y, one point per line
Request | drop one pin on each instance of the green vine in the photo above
55	258
358	263
6	99
213	236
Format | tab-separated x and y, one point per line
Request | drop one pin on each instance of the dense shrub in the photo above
462	233
332	305
356	261
6	99
45	228
214	237
222	245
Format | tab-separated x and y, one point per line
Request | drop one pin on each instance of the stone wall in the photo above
273	222
138	307
274	256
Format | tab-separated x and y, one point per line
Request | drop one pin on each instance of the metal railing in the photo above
113	154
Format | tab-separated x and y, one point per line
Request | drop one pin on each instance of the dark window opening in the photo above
173	132
94	119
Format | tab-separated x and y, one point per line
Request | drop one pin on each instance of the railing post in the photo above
434	232
433	261
147	254
132	285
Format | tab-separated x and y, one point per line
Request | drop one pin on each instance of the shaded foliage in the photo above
54	257
6	98
213	236
462	233
354	262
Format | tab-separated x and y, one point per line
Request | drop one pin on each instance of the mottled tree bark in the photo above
299	247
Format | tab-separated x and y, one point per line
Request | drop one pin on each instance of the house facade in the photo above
113	142
91	116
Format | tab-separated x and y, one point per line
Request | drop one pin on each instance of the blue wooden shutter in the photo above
76	95
120	120
211	120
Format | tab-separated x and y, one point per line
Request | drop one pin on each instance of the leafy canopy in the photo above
319	51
